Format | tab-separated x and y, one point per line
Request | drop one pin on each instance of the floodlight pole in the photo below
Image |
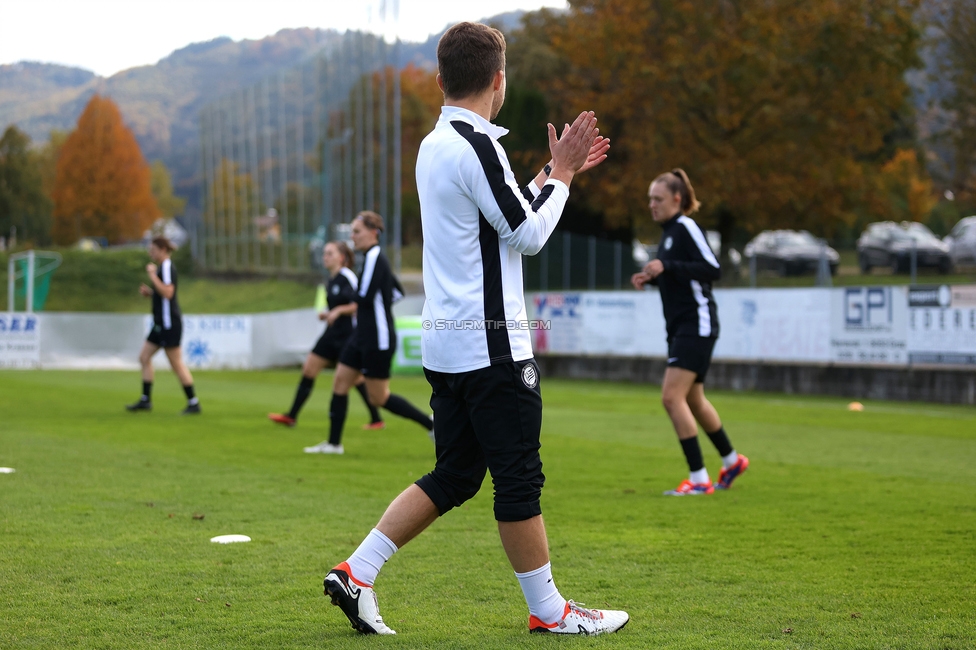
397	156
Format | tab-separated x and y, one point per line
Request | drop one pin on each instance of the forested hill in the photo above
161	102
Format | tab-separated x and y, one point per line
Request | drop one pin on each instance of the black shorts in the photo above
329	347
374	364
692	353
166	338
487	420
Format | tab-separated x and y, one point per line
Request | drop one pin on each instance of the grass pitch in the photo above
850	530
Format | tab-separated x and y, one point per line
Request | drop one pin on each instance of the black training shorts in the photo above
166	338
374	364
692	353
487	420
329	347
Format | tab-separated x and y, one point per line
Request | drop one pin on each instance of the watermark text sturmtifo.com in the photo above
442	324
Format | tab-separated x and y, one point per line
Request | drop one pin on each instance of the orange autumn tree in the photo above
778	110
102	185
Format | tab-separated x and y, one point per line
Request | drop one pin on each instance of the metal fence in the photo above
570	262
285	159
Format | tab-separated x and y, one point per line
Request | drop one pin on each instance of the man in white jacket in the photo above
477	352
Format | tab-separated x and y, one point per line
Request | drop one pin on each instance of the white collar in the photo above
451	113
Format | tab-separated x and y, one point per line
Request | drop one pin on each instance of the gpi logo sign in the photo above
868	308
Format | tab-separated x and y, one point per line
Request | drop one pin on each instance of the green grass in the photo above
109	281
851	530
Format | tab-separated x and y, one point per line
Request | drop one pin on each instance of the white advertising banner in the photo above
20	340
942	325
212	341
600	323
773	324
896	326
868	325
770	324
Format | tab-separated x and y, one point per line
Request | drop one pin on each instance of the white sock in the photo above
370	557
700	476
730	460
192	402
544	600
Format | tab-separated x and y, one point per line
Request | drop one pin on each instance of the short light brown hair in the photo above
468	56
677	182
371	220
163	244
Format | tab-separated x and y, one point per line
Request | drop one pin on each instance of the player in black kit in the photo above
167	327
683	272
341	296
369	351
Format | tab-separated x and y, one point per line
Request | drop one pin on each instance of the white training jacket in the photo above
476	225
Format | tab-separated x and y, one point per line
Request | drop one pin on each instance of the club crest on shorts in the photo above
667	244
530	376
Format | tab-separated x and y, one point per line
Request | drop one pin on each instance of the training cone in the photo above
855	406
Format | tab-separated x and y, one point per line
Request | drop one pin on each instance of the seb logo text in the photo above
11	323
867	308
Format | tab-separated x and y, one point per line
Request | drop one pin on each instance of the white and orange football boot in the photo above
579	620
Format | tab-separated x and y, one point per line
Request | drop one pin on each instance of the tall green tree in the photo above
778	110
23	203
169	204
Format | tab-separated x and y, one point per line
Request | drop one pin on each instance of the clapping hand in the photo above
598	151
572	151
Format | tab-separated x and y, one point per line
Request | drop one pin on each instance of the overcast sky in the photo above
107	36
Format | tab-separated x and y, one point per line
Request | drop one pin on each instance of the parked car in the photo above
790	252
889	244
962	241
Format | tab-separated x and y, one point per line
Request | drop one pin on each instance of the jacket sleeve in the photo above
699	262
398	291
346	293
488	179
374	273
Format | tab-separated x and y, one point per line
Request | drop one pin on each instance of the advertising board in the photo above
20	340
867	325
942	325
212	341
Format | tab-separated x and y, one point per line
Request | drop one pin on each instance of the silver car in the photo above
790	252
962	241
888	244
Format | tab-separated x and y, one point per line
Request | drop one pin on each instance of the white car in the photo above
962	241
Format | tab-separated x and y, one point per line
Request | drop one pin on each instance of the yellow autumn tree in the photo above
906	192
102	183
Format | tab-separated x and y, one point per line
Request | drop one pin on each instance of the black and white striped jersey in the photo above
378	290
476	225
342	290
690	268
166	312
